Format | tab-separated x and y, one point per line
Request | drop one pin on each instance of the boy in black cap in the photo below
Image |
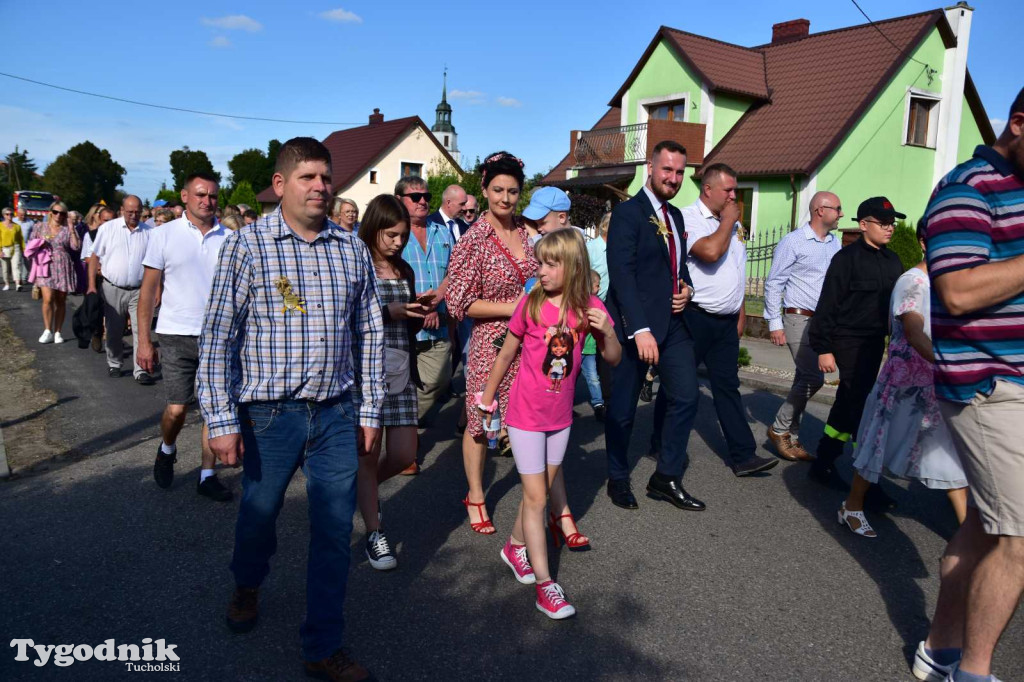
850	324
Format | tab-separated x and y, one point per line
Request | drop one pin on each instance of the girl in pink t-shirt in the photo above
550	325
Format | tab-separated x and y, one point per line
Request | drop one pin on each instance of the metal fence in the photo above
611	146
760	249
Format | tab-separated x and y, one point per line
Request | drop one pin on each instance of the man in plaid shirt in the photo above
293	321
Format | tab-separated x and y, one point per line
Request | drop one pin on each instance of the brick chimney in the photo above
789	31
376	117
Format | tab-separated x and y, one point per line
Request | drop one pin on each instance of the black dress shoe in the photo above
144	379
826	475
214	489
754	465
114	372
671	490
622	494
163	468
600	412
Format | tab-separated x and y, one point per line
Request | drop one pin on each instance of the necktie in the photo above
671	250
451	228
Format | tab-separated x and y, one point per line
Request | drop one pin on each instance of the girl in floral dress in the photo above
902	432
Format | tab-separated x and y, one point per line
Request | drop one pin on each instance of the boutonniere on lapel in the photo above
663	230
742	233
290	298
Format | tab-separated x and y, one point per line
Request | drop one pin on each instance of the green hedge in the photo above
904	244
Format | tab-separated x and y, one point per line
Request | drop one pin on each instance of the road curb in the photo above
779	386
5	469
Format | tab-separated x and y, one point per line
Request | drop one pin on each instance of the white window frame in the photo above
933	117
756	187
642	115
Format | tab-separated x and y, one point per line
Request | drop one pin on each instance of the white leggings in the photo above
535	451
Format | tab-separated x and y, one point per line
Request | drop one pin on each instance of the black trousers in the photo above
858	359
716	345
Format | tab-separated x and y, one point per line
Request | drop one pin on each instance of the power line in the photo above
179	109
881	33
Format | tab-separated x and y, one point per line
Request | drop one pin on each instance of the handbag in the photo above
8	251
396	370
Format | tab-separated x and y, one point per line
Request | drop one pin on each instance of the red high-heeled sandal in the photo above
485	527
575	542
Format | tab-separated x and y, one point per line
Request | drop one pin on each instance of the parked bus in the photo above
36	203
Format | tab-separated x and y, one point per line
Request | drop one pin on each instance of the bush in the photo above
744	357
904	244
244	194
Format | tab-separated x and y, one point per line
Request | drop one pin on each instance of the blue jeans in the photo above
589	370
279	437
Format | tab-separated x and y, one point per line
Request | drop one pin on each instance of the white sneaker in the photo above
7	287
47	337
57	338
926	669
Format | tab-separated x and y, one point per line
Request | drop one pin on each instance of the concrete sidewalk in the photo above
771	369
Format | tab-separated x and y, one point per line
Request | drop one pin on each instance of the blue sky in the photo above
521	75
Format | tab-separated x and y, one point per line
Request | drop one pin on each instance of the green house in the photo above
877	109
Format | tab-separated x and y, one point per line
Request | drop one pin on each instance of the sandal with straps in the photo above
575	542
863	527
485	527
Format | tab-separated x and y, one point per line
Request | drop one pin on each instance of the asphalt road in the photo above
762	586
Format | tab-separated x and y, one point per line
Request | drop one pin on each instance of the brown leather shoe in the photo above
799	451
244	609
337	667
786	448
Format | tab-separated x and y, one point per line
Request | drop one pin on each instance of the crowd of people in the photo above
312	339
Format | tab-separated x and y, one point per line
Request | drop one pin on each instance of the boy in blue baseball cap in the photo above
548	211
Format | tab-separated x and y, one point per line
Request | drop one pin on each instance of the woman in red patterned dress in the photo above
486	277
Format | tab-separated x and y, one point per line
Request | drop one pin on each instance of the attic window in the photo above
412	169
668	111
922	119
373	177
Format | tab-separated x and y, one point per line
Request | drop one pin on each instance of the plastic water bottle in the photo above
492	426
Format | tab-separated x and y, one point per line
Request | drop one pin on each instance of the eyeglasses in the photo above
837	209
889	225
56	212
417	197
469	210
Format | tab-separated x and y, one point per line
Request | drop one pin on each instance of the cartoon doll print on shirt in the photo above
558	361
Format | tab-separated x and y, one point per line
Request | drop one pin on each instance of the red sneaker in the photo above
515	557
551	601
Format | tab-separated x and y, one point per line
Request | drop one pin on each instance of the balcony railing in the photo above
633	143
607	146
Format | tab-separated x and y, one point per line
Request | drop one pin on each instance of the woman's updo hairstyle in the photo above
501	163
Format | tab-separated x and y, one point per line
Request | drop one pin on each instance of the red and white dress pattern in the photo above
479	270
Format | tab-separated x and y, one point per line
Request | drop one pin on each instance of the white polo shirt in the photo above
120	251
718	287
188	259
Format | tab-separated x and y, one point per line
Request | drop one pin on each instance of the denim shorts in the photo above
179	358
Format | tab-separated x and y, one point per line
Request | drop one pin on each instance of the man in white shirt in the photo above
716	258
182	254
119	248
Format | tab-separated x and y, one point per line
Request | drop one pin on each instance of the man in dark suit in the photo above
449	213
648	289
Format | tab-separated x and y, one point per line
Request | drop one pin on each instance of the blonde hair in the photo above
233	222
566	247
604	224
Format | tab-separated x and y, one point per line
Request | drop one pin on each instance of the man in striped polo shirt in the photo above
975	239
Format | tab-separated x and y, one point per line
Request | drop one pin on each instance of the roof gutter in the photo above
792	216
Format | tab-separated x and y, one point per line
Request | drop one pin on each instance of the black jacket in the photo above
639	271
88	320
855	296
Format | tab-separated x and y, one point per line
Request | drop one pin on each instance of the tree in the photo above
243	194
444	174
904	244
168	195
22	171
185	162
84	174
254	166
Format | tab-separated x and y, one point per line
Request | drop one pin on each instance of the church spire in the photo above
444	89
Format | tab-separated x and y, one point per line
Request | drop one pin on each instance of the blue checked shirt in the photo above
798	271
431	268
253	347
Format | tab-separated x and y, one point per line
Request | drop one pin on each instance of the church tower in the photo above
443	129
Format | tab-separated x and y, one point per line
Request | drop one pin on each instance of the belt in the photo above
119	286
428	344
721	316
798	311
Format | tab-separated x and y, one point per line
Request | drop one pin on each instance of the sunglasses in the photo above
417	197
469	210
56	212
